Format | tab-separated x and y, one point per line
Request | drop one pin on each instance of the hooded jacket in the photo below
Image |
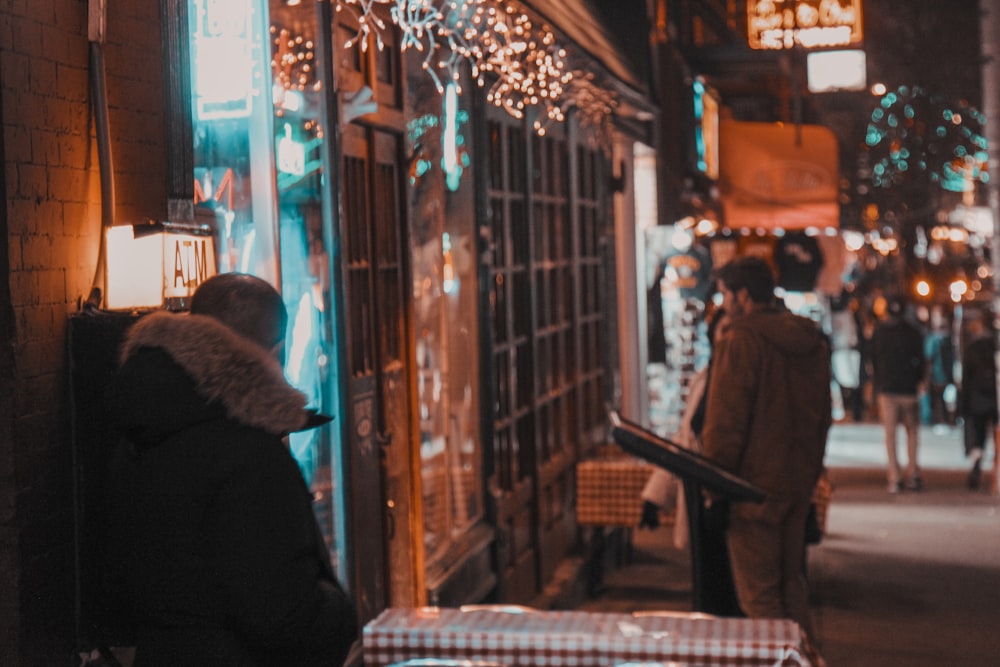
769	404
218	555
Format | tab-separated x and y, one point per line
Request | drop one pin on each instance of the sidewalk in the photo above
862	445
899	580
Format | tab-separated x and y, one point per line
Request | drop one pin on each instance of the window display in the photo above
445	311
260	154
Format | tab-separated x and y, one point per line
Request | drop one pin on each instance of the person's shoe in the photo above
894	488
650	516
914	484
975	476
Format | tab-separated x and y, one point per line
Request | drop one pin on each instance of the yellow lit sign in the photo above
156	264
782	24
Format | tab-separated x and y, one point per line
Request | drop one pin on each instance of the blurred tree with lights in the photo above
920	146
923	155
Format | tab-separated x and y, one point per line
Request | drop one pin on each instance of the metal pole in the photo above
990	51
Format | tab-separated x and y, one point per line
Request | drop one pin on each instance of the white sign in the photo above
837	70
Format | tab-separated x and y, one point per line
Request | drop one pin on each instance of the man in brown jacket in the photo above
767	418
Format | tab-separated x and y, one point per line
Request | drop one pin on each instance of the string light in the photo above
369	23
292	62
517	61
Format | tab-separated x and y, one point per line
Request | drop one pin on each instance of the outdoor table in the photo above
579	639
608	491
608	497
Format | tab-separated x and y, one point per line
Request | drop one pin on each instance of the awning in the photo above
614	36
777	176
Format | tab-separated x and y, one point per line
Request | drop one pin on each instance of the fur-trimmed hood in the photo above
181	369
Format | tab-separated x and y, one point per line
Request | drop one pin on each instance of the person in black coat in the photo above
900	372
979	394
219	558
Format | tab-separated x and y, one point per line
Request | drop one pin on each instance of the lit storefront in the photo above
451	226
443	250
261	155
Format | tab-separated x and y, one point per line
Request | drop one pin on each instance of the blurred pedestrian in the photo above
766	420
218	556
899	372
979	393
940	355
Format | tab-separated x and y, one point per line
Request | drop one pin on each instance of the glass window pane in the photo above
259	121
445	279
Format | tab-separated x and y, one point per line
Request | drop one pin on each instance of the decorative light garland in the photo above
369	22
517	60
292	62
293	72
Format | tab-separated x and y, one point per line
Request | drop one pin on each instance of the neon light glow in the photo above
247	251
291	154
449	283
449	138
222	50
302	335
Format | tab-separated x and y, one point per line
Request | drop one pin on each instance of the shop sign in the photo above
783	24
157	264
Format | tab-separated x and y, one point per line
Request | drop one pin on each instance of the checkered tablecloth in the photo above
579	639
531	638
701	641
608	491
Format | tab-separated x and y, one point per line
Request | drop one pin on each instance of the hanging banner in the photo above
776	176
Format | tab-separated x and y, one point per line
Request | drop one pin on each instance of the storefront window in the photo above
260	154
445	312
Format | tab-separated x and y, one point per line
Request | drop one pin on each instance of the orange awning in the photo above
777	176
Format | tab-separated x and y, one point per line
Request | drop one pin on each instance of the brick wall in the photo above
51	226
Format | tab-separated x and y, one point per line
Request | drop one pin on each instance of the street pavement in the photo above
910	580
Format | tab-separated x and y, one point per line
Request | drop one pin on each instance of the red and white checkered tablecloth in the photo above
532	638
608	491
579	639
702	641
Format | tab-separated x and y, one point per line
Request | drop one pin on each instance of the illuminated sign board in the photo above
782	24
156	264
837	70
706	115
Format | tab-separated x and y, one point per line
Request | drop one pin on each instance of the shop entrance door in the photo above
379	397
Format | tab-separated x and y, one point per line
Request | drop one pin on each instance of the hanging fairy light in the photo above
446	32
293	61
293	74
527	65
595	105
369	23
517	61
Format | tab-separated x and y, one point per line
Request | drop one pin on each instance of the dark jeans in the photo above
717	588
976	430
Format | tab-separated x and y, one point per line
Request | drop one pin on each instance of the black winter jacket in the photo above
219	557
898	357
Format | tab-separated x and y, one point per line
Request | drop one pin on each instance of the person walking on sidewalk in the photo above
899	374
217	556
979	393
766	420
